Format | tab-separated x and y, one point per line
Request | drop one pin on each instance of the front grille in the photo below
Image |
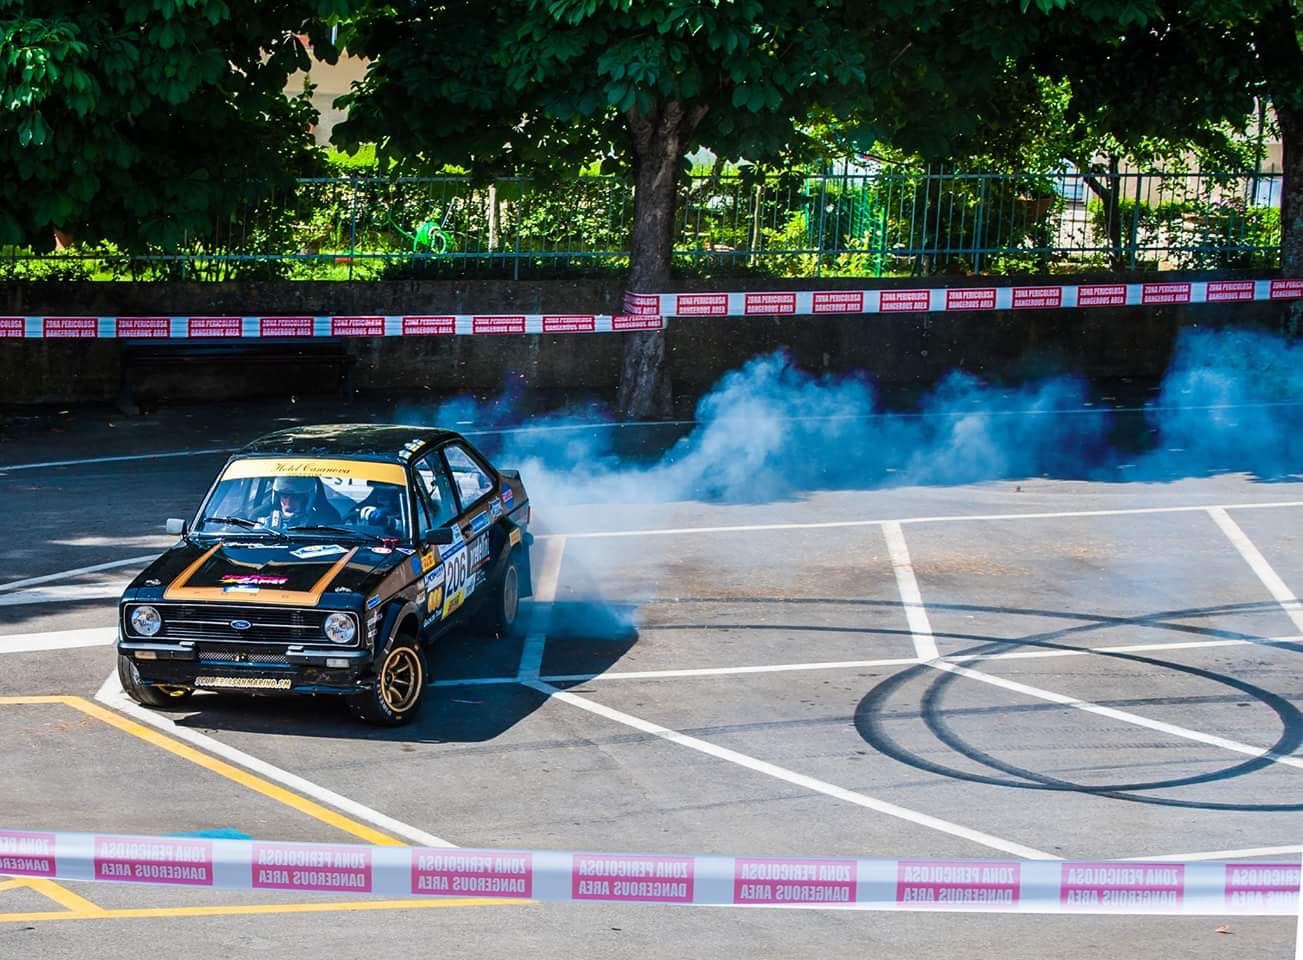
213	655
276	626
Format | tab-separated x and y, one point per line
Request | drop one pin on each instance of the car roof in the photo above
368	441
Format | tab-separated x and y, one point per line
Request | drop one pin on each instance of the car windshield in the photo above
314	498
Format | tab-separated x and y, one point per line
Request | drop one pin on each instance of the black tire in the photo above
147	694
399	688
499	615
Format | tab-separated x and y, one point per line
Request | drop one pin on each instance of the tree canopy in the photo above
528	84
1186	67
140	120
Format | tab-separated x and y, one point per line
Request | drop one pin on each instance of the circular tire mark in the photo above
869	725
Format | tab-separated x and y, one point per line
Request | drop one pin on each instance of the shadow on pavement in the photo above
585	637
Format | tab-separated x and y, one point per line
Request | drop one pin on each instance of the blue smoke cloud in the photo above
1232	401
768	431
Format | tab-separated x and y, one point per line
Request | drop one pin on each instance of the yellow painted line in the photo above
79	908
221	768
79	905
255	909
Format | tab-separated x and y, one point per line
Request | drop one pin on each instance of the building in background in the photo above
332	81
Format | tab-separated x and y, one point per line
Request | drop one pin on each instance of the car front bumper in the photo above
305	670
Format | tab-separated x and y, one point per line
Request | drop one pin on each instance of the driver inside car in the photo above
298	501
382	509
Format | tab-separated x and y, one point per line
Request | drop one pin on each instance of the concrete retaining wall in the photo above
900	348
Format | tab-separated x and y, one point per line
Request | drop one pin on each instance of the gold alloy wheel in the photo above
401	679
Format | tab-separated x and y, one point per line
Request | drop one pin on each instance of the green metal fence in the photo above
890	222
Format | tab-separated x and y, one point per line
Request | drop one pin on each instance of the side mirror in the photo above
179	527
436	537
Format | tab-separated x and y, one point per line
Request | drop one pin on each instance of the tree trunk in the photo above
1111	197
1277	44
658	143
1291	191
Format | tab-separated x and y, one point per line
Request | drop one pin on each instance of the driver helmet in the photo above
292	494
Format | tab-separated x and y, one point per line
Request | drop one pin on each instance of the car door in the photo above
436	505
475	487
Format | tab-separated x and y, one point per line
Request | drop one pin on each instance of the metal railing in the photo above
890	222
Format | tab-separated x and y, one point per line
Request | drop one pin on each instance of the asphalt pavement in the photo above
1100	643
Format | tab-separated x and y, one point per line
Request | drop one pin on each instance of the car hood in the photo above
301	574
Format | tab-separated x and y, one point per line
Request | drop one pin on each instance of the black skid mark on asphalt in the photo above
871	711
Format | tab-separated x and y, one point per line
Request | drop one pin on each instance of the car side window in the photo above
470	478
434	496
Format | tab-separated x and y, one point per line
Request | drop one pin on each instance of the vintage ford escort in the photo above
327	560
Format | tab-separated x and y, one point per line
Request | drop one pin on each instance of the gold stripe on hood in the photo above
177	589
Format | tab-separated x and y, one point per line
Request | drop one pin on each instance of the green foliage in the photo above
1193	234
361	163
149	123
1176	69
532	85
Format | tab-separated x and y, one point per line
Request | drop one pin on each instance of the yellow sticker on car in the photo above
433	599
428	560
514	536
315	467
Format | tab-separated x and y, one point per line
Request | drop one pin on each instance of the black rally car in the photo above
326	560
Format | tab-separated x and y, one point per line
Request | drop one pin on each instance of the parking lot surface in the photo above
1045	668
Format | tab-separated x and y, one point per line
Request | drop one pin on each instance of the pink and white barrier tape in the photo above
955	299
999	886
218	328
649	311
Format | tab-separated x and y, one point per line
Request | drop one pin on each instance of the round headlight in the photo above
339	628
145	621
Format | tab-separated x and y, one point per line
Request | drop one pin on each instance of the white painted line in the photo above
688	674
1124	716
944	518
789	776
571	427
1124	648
635	424
111	695
76	572
58	640
549	570
1276	586
545	587
888	415
531	656
111	590
905	661
121	459
728	671
1222	854
474	682
920	628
